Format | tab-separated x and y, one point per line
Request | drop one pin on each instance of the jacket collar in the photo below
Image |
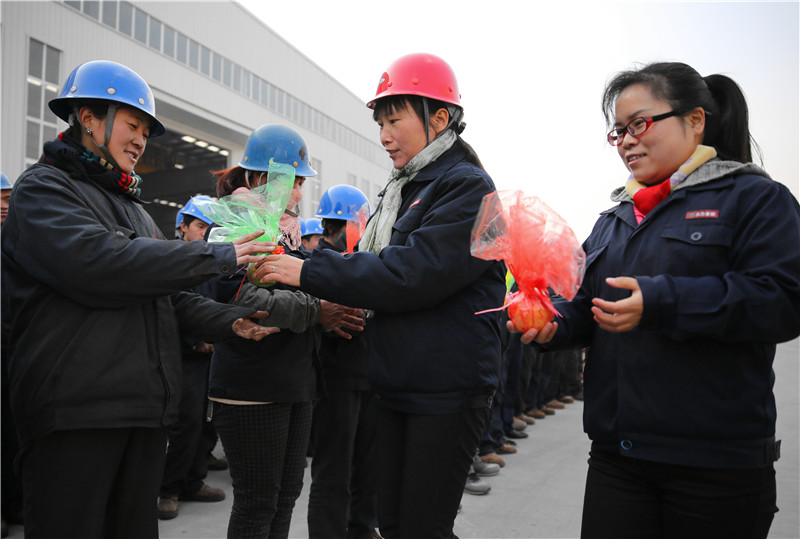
442	164
707	172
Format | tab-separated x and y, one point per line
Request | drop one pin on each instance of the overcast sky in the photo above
531	74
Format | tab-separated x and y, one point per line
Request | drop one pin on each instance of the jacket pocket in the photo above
410	221
700	234
123	232
594	254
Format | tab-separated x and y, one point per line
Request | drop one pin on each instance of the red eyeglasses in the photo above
636	127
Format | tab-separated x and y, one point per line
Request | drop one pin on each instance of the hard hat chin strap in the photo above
455	113
426	115
112	112
250	182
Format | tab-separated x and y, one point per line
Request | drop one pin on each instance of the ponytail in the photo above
727	127
472	155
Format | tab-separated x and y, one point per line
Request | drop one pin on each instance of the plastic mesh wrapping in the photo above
538	247
356	226
259	208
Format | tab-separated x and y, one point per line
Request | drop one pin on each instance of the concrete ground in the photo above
538	494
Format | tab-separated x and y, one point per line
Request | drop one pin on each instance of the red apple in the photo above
528	313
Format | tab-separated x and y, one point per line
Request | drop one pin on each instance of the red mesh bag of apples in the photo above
539	249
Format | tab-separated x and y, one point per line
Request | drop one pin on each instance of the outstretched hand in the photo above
247	248
248	328
338	318
281	268
622	315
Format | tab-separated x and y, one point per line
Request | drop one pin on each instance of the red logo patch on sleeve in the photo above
414	203
702	214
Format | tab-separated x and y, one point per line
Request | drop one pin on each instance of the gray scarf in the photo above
379	229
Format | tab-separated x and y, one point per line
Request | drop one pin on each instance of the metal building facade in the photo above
217	73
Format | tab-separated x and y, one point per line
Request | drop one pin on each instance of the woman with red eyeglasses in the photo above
691	281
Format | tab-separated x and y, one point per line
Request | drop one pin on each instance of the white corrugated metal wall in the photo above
336	124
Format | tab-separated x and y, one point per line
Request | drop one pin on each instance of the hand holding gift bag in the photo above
246	211
539	248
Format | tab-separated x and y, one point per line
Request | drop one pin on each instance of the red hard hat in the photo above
419	74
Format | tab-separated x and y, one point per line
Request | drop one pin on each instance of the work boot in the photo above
217	464
475	485
555	404
168	508
493	458
484	469
205	494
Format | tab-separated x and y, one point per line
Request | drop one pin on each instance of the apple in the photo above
528	313
251	269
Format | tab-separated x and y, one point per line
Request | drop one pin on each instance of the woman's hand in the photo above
247	328
282	268
246	248
338	318
622	315
542	336
204	348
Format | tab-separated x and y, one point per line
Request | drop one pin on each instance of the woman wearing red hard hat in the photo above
433	364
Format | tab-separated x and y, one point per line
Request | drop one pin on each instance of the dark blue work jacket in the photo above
91	291
718	264
428	351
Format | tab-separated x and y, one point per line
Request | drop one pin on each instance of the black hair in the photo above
187	219
727	118
397	103
331	227
99	108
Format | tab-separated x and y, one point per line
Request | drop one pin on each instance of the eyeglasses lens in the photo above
637	126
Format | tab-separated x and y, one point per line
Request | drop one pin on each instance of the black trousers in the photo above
494	434
632	498
342	497
186	465
511	388
553	370
533	380
266	448
571	383
423	462
9	482
94	483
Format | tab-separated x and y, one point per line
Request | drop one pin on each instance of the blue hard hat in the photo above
192	210
109	81
341	202
5	183
280	143
311	226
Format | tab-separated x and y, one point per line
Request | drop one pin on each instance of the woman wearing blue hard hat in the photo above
433	363
94	300
263	392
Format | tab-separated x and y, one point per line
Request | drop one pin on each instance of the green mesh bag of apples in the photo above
248	210
539	249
